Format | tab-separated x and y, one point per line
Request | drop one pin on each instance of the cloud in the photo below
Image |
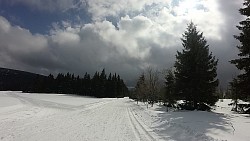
89	48
101	9
19	48
225	49
144	33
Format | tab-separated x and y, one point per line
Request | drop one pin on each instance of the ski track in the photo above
39	120
140	129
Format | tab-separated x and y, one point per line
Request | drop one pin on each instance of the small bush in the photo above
189	106
203	107
186	106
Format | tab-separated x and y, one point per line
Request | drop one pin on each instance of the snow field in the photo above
58	117
46	117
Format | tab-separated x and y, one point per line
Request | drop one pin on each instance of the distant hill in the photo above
17	80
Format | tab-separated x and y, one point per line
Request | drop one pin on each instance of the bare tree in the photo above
153	86
140	89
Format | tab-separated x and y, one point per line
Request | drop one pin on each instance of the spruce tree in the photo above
103	79
114	85
169	97
195	70
235	93
119	87
108	85
243	63
50	84
59	83
86	85
95	84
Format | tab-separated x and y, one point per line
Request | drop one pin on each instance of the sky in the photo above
122	36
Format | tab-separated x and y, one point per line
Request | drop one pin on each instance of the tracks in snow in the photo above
142	132
47	120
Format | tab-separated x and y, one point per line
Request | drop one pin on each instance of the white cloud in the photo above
4	25
101	9
163	14
66	38
17	39
146	32
18	47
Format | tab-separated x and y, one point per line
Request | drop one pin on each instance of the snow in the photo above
59	117
220	124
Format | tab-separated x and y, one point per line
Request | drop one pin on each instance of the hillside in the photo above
16	80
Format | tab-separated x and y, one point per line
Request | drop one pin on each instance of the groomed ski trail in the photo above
111	120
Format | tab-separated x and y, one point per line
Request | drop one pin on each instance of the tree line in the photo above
193	78
100	85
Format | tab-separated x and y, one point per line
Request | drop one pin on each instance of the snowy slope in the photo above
57	117
61	117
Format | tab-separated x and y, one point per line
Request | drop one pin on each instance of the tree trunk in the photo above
195	104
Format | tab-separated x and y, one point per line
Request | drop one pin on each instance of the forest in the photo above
100	85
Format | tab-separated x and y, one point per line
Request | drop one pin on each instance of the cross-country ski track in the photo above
101	119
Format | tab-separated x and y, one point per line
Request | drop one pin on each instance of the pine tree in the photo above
108	86
195	70
50	84
78	85
235	93
114	85
243	63
124	90
86	84
169	97
95	84
59	83
103	79
119	87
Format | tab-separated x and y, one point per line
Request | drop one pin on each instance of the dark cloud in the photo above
126	44
225	49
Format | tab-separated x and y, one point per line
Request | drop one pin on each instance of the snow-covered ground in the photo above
220	124
60	117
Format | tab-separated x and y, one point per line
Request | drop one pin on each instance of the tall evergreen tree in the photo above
196	69
50	84
103	79
235	93
119	87
60	83
169	97
95	84
87	84
109	88
114	85
243	63
78	85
